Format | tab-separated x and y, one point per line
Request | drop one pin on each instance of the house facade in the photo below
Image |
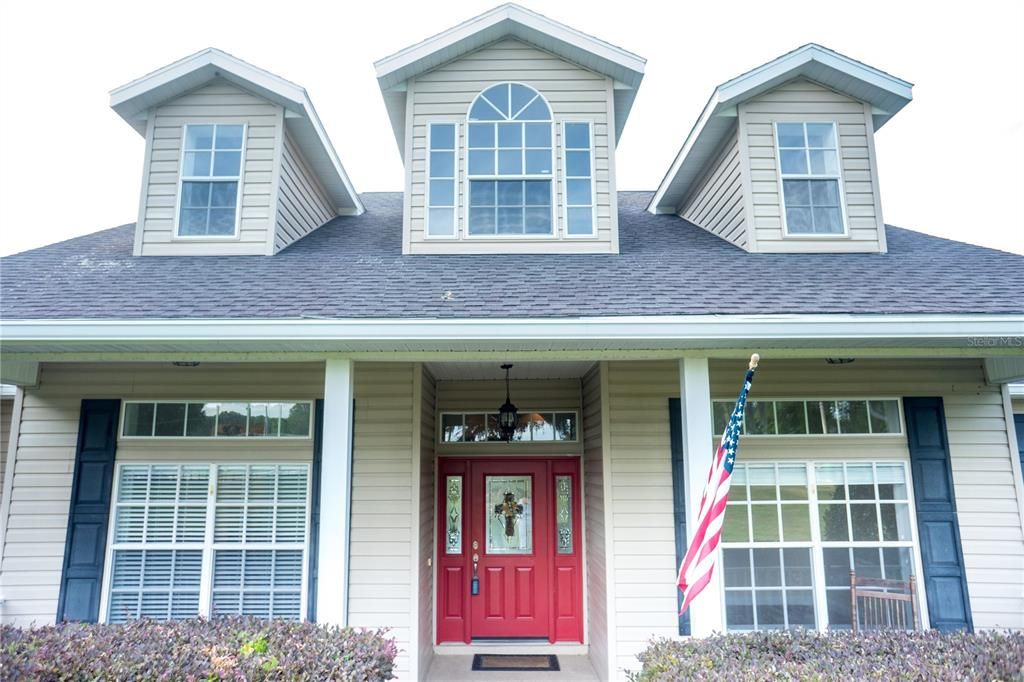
273	395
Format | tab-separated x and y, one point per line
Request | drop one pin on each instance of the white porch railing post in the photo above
335	495
706	614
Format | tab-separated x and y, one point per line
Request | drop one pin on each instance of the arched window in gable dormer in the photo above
510	163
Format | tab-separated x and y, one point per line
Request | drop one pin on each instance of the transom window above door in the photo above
510	162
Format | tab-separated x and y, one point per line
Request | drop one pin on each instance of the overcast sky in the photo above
950	163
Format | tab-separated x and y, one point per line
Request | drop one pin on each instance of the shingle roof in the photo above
353	268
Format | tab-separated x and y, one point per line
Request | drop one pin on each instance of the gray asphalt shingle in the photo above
353	268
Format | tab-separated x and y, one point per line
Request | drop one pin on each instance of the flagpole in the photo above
697	570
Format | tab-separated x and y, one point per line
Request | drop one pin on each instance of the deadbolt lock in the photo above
476	545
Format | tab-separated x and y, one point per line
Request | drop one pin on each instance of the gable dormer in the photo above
507	125
782	159
236	161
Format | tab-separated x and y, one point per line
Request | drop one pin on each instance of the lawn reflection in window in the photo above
813	417
195	419
480	427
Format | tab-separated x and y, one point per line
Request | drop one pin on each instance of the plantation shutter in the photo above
675	421
314	509
942	559
259	540
159	531
86	540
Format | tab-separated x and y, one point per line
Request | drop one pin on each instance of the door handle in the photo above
474	583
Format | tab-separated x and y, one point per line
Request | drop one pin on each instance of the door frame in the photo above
457	569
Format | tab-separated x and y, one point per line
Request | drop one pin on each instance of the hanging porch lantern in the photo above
508	417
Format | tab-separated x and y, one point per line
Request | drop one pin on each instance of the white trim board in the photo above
977	334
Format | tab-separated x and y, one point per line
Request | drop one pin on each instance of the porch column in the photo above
335	495
698	449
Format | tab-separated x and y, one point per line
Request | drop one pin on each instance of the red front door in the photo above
514	525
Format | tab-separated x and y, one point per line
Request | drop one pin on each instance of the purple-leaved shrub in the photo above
842	656
197	649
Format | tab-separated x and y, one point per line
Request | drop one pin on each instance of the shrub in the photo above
801	655
220	649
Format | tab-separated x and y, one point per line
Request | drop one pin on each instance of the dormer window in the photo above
510	163
211	164
809	166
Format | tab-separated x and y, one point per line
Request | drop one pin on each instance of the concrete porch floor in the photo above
448	668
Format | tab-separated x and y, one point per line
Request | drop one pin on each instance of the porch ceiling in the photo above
482	371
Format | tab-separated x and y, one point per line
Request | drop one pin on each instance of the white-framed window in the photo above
216	419
442	171
549	426
207	540
578	161
808	157
209	191
819	417
793	531
510	163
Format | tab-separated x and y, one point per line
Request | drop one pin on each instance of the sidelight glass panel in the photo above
563	513
509	514
453	515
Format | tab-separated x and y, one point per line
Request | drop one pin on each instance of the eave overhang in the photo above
885	93
134	101
976	335
509	20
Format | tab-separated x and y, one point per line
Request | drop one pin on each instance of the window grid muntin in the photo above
492	417
817	546
727	407
211	178
590	177
836	177
432	177
216	425
208	547
494	148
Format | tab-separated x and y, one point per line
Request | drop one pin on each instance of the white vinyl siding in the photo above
445	94
44	461
641	541
802	101
302	204
384	523
716	202
215	102
594	521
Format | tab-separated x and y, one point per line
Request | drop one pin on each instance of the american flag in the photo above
699	563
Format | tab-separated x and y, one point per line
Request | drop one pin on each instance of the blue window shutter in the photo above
945	581
314	509
675	421
1018	422
86	542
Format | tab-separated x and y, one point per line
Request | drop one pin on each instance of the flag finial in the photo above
754	359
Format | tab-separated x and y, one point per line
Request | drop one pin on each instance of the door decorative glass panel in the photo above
453	537
563	513
509	515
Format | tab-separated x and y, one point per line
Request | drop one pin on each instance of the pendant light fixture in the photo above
508	417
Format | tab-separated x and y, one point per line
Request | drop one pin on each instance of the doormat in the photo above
515	662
